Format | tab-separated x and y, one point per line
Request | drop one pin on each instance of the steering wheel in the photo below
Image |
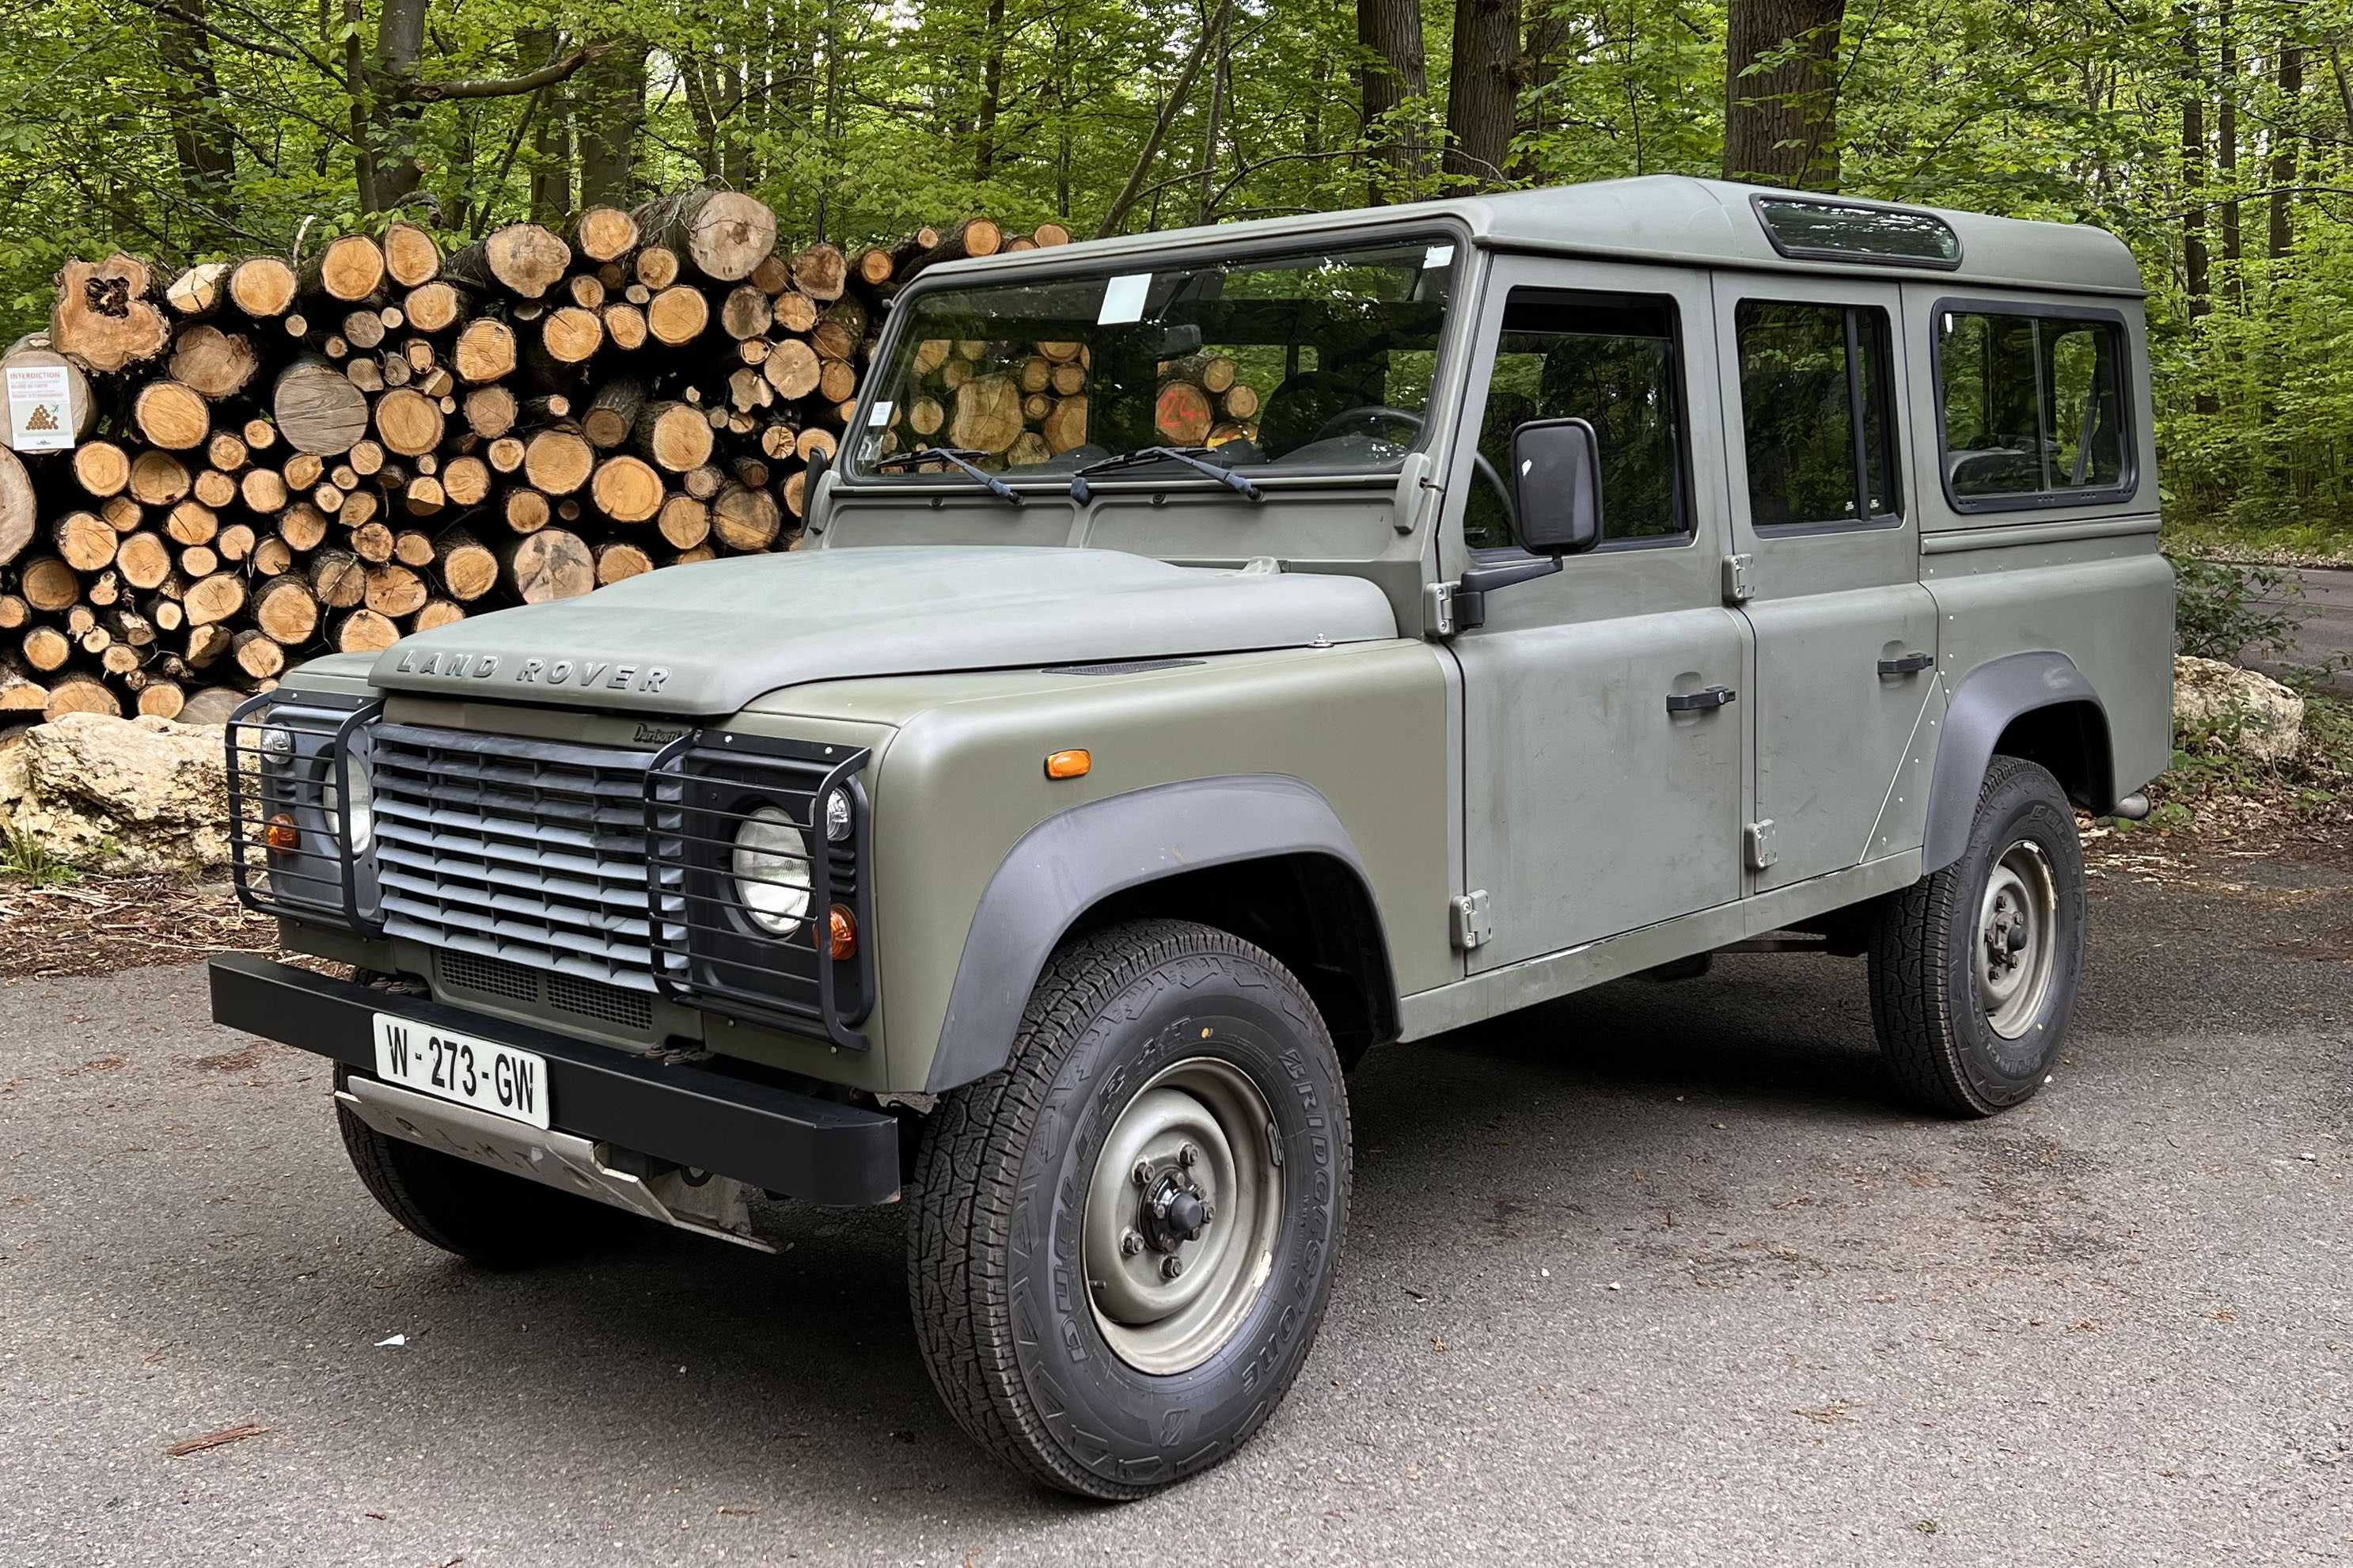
1367	420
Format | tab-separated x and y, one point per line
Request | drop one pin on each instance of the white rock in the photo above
2242	710
117	795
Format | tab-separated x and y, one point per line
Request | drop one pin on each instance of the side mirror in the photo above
1557	486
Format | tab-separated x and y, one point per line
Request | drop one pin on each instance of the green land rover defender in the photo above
1213	654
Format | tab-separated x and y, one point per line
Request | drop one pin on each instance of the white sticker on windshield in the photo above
1438	256
878	415
1123	299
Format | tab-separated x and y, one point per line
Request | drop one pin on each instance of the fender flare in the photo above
1989	699
1074	860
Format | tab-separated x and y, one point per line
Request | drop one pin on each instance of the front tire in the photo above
1974	968
482	1216
1124	1241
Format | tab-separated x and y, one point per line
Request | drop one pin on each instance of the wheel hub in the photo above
2017	939
1181	1215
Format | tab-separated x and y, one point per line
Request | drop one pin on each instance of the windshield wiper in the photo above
1189	456
961	456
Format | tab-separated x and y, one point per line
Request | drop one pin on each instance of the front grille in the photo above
566	993
489	977
522	849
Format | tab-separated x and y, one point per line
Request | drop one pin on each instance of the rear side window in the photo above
2033	405
1814	412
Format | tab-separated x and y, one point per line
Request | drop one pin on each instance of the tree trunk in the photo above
1482	96
611	100
399	41
551	136
2226	160
992	88
1220	86
203	142
2284	151
1781	119
1390	31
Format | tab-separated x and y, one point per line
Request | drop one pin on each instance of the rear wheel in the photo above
483	1215
1124	1241
1974	968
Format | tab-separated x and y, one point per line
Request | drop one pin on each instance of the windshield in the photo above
1316	361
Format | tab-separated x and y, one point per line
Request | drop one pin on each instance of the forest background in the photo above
2212	137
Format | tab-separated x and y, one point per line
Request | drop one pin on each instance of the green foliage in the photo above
858	119
2229	611
24	858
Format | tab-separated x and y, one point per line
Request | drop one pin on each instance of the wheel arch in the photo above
2036	706
1264	856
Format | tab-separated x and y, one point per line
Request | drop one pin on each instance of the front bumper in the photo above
699	1115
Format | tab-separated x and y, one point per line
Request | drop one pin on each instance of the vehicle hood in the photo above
707	638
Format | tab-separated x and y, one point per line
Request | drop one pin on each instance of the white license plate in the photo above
466	1068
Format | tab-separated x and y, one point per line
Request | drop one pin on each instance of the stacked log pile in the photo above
281	457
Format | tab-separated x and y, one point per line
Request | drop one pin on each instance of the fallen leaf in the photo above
227	1435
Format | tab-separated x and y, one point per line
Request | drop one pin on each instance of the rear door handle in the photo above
1699	701
1909	664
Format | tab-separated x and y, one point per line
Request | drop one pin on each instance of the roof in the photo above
1666	218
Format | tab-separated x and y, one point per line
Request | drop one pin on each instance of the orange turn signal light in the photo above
845	933
282	834
1069	764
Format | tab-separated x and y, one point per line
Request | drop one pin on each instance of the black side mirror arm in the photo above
1471	593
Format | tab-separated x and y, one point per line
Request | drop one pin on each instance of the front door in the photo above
1591	808
1847	691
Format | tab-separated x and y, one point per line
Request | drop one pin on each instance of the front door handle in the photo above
1699	701
1907	665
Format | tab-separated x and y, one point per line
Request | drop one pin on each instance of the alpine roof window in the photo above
1839	231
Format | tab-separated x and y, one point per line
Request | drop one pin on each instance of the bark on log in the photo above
612	413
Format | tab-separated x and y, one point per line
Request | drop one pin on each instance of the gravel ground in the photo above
1656	1275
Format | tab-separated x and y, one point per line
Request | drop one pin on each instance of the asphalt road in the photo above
2325	633
1659	1274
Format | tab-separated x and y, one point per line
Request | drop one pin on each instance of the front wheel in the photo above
1124	1241
1974	968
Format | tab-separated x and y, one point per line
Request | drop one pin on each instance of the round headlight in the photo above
362	809
837	816
772	870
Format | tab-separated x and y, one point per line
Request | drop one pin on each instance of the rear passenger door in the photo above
1826	568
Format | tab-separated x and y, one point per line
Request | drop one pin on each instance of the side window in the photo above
2032	405
1612	360
1814	409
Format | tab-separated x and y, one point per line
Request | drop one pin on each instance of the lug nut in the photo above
1170	1267
1209	1213
1131	1244
1189	1157
1142	1173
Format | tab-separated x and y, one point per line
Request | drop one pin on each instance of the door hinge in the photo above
1438	610
1757	838
1737	573
1472	925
